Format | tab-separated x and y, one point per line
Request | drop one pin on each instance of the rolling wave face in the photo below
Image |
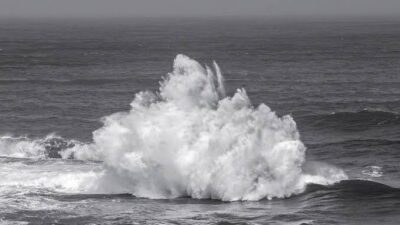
188	139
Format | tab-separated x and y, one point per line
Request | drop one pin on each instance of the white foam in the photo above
20	147
60	176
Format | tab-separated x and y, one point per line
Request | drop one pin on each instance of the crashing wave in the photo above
190	139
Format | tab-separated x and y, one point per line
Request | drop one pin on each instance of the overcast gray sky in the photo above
115	8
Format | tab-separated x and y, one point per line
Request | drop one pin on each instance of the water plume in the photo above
190	139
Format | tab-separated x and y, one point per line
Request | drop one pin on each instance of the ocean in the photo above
199	121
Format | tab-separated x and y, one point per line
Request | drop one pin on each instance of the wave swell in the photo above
360	120
352	188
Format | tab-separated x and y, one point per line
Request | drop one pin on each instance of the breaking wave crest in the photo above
190	139
49	147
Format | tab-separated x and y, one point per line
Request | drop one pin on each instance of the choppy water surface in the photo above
92	134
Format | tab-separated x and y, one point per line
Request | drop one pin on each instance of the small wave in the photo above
360	120
355	187
50	146
373	171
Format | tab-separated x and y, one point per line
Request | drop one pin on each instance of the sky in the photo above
176	8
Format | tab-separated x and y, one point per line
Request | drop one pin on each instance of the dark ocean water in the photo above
340	81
